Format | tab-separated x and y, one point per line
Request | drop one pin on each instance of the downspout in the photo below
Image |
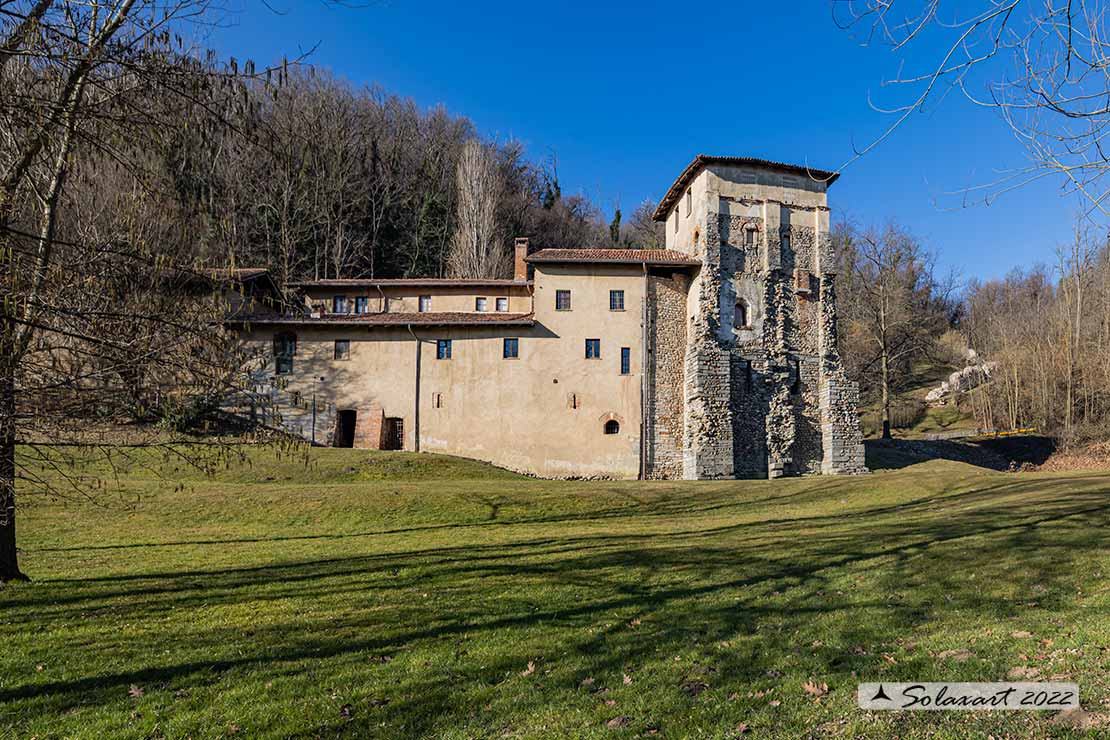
416	401
385	301
644	376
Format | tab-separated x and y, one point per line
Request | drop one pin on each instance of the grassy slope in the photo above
336	600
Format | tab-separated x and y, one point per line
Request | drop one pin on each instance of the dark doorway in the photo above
394	433
345	429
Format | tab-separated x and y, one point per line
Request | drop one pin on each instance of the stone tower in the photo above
763	392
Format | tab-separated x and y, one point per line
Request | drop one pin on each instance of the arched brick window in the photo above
612	426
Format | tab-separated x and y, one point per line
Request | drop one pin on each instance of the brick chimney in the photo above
520	251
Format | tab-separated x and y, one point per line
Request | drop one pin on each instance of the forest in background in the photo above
338	181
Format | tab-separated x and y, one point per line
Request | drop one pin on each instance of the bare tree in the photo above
643	231
477	248
99	321
892	306
1042	65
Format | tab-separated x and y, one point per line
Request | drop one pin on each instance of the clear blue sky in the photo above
625	94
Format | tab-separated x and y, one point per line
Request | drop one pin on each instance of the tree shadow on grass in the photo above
759	583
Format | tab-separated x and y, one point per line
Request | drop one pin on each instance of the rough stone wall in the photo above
750	401
842	437
808	439
783	377
707	442
664	426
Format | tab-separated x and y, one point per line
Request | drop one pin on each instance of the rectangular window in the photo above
342	349
425	303
480	304
437	400
626	360
362	304
285	347
443	349
689	202
676	220
339	304
593	349
511	348
616	300
502	304
562	300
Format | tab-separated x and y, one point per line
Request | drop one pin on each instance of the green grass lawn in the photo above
391	595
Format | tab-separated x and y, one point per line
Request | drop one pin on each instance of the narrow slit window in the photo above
740	318
626	360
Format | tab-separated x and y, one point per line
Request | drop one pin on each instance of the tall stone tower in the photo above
763	390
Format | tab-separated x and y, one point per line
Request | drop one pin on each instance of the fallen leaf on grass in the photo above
346	710
621	721
610	702
774	702
816	689
1021	672
529	670
693	688
1020	634
134	692
634	623
742	728
960	655
627	680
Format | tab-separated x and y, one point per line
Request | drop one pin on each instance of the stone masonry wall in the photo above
707	442
666	372
842	437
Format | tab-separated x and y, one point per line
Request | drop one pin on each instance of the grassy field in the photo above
388	595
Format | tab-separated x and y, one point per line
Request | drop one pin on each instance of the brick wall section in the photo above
369	427
666	370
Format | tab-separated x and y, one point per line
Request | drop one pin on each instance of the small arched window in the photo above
285	347
740	318
612	426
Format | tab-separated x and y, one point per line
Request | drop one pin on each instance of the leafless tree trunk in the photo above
477	249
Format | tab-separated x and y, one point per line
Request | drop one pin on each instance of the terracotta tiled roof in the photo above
408	282
702	160
615	256
430	318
